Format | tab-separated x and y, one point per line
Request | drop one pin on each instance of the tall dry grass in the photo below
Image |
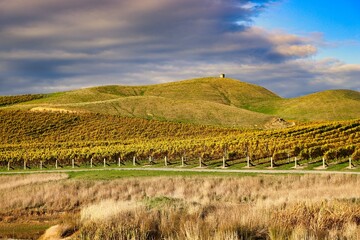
14	181
262	207
320	220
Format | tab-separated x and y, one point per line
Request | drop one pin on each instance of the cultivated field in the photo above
45	140
116	205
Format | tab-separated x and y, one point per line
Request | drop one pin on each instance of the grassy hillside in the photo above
160	108
224	91
213	101
327	105
219	90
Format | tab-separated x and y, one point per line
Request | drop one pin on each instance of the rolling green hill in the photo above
213	101
322	106
327	105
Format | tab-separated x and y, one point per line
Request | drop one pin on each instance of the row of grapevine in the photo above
9	100
45	137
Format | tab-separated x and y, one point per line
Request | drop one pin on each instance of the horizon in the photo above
182	80
291	47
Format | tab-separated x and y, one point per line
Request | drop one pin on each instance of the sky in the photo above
291	47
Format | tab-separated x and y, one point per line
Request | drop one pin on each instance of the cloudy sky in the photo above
292	47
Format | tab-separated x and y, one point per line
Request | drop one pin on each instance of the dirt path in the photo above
268	171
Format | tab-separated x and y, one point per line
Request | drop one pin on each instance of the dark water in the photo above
22	231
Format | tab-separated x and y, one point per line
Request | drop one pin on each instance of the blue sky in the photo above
292	47
338	22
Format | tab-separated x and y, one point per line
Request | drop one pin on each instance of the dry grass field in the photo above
193	207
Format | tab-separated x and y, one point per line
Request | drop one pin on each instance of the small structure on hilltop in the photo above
222	75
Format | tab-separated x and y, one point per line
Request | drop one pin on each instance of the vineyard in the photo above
29	139
10	100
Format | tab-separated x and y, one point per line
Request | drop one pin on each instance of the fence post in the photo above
91	162
323	162
24	165
119	162
350	164
272	162
165	159
104	162
40	165
8	165
182	161
73	163
295	162
56	164
200	162
248	161
134	161
224	162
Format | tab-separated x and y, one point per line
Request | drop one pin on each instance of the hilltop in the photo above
211	101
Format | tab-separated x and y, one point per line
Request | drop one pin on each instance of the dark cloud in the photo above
52	45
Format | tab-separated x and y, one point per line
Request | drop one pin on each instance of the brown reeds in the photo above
261	207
